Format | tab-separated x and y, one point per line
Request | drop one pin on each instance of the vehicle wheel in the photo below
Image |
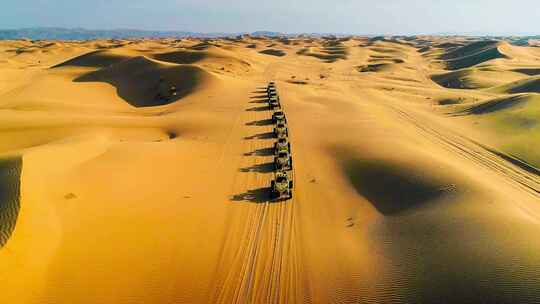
289	146
287	132
290	194
290	184
272	185
290	163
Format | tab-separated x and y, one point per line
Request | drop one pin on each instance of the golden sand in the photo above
415	171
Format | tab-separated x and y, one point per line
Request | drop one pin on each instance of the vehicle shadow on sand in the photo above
260	168
260	195
259	109
261	152
262	122
266	135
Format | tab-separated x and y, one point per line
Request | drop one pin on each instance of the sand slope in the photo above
472	54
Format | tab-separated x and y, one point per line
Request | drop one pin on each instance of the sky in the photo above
288	16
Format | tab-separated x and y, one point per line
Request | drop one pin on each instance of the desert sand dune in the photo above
472	54
328	51
475	78
95	59
208	55
148	162
517	118
138	79
528	85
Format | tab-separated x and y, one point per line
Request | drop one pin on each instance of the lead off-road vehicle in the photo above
271	89
283	161
282	186
279	117
282	145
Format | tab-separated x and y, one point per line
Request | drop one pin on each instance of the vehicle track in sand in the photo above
486	157
260	254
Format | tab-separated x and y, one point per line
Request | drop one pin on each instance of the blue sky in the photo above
292	16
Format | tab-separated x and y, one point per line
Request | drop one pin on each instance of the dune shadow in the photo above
527	86
391	189
261	152
528	71
260	168
10	172
262	122
259	109
137	81
372	67
301	82
201	46
259	195
181	57
472	54
273	52
494	105
266	135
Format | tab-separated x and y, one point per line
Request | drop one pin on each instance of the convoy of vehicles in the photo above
282	185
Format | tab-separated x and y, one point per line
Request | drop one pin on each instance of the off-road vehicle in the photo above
282	145
280	130
274	103
279	117
271	93
282	186
283	161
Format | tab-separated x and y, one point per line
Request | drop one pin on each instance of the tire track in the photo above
263	268
478	153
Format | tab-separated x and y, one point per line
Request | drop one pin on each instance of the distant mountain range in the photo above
57	33
53	33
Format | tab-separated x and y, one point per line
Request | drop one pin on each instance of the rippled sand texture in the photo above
10	170
416	171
